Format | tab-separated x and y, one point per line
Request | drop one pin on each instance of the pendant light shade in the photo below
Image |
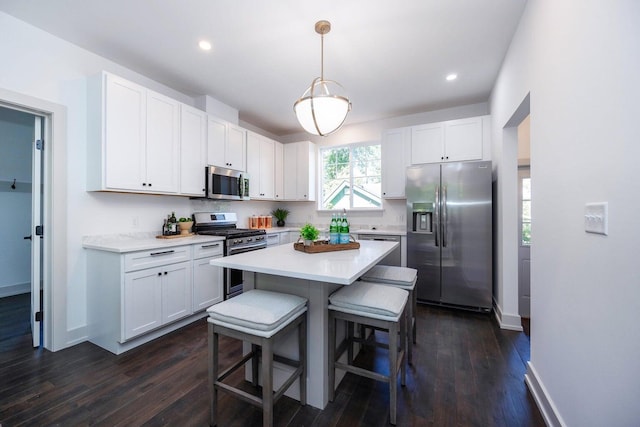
323	108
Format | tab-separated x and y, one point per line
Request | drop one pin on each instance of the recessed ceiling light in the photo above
451	77
204	45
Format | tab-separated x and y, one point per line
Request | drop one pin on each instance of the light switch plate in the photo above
596	218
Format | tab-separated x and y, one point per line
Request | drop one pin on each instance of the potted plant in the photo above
281	215
309	233
185	225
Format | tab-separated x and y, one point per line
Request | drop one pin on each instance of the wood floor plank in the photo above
466	371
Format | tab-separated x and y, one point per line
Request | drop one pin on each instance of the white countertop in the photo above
341	267
123	243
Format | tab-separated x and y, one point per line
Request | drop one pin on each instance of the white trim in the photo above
54	272
546	406
12	290
511	322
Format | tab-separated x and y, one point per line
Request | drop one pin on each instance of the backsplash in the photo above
392	217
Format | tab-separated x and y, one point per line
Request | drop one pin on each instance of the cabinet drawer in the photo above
156	257
209	249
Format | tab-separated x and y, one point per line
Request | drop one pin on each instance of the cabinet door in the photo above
427	143
176	291
162	144
279	171
267	168
216	141
207	284
396	150
290	162
236	147
124	135
142	302
193	151
253	164
463	139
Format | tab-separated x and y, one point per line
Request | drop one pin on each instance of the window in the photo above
525	208
351	177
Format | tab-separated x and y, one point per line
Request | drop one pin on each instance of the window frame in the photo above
320	165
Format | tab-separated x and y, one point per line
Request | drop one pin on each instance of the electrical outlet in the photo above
596	218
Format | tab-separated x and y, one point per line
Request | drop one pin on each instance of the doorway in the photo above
524	223
21	201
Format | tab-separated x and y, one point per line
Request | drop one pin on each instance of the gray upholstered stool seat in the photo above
402	277
374	305
258	317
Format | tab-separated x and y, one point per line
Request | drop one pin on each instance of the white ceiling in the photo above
391	56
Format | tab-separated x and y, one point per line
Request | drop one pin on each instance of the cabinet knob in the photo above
144	184
160	274
165	273
149	184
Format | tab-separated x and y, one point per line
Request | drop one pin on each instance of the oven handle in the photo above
247	249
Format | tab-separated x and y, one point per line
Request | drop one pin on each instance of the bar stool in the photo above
377	306
258	317
402	277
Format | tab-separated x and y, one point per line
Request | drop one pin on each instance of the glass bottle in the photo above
344	230
333	230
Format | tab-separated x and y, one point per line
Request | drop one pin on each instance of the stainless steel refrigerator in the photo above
449	232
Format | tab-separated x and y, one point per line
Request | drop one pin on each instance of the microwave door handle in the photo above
240	186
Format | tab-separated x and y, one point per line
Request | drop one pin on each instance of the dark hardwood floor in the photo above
466	372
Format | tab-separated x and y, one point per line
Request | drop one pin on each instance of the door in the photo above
423	250
524	247
36	230
466	234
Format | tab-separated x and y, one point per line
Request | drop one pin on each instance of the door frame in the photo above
54	265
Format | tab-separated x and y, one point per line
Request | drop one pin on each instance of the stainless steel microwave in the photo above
227	184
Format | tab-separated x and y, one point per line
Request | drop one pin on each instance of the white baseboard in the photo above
511	322
76	336
11	290
545	404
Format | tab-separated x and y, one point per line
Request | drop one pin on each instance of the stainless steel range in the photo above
237	240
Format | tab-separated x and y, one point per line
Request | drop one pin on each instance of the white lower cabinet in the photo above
135	297
207	279
156	296
273	239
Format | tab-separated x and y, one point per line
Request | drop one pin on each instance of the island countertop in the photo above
339	267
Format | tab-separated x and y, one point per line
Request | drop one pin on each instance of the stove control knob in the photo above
249	239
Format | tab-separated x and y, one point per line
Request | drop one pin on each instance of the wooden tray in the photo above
175	236
324	246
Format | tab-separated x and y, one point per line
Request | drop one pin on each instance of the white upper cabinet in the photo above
133	138
299	171
396	156
163	143
451	141
226	144
193	150
260	166
279	172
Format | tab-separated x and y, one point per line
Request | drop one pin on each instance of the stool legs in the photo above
267	383
213	376
302	351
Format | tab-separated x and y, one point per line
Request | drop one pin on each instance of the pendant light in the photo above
322	109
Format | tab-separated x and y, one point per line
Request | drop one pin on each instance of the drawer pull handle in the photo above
210	246
162	253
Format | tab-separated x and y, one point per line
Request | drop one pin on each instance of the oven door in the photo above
232	277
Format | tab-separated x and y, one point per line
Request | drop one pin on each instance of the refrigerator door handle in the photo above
436	215
444	216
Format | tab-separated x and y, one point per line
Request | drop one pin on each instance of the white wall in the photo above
579	61
16	136
50	69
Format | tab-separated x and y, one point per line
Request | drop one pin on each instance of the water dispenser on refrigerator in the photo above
422	217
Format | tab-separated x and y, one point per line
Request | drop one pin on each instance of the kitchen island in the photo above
315	277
